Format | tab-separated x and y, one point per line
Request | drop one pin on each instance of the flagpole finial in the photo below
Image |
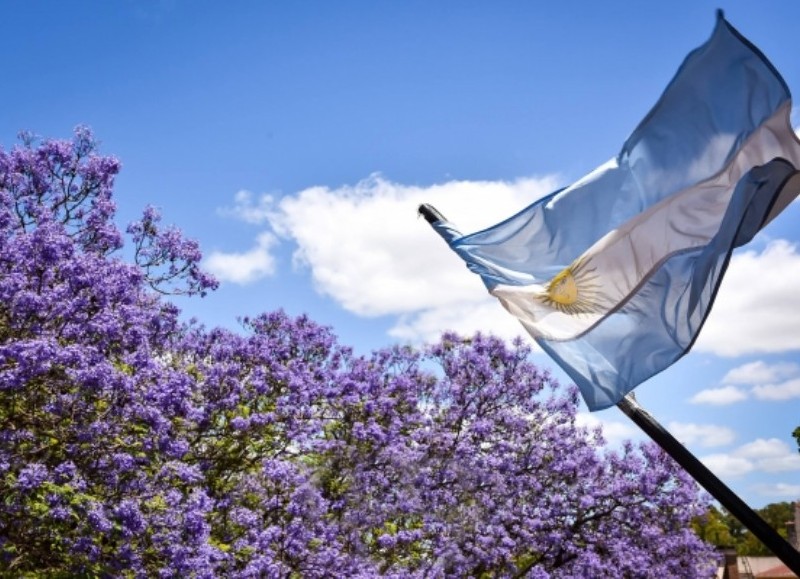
430	213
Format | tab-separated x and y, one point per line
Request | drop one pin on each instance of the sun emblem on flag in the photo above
573	291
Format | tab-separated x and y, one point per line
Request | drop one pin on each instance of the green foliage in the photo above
713	527
722	529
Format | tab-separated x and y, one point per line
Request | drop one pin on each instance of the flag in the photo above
614	275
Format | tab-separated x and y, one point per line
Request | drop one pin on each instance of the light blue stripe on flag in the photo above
615	275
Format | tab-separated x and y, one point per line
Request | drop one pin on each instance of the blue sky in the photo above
294	140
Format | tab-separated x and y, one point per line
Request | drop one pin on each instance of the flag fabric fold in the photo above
614	275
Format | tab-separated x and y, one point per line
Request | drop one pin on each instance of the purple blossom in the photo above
98	520
168	258
130	518
123	462
31	477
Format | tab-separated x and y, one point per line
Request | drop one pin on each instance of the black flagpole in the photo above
696	469
709	481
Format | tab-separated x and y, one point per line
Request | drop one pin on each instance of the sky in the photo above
295	141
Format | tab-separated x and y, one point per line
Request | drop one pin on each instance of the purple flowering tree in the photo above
137	445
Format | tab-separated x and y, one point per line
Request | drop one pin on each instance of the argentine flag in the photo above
614	275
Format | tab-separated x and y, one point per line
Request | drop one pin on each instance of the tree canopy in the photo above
135	444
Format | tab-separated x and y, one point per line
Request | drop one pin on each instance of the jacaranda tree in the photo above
134	444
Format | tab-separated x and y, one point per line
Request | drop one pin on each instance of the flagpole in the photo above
696	469
709	481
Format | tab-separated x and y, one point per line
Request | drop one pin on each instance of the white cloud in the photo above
366	248
719	396
758	308
244	268
465	318
770	455
783	391
762	447
778	490
761	455
760	373
245	209
705	435
725	465
614	431
765	380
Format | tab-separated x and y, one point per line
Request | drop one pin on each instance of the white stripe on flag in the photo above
604	276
